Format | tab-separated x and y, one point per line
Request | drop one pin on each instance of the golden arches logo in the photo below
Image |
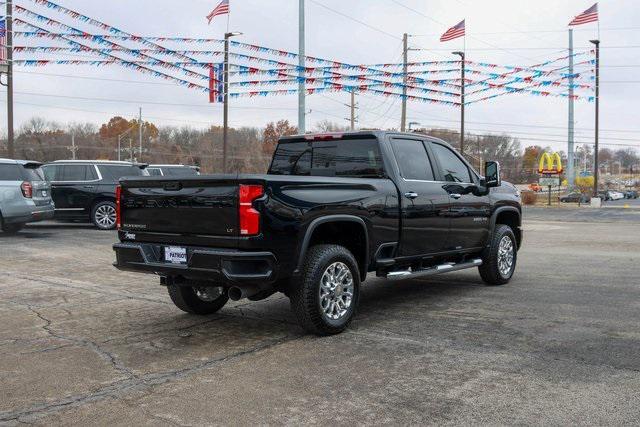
553	163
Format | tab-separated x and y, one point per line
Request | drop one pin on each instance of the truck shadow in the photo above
381	298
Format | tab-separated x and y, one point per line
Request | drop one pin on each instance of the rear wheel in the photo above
103	215
326	299
200	300
499	259
11	228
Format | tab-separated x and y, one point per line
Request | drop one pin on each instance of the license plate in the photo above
175	255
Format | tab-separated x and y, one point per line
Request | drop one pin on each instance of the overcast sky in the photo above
355	31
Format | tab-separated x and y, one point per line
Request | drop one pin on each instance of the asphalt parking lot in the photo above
82	343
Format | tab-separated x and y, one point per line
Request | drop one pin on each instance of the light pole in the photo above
9	47
597	130
120	139
461	55
405	54
302	89
225	114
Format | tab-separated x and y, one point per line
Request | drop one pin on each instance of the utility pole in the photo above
302	89
225	111
405	54
73	146
570	136
597	118
140	133
353	110
130	150
9	47
462	84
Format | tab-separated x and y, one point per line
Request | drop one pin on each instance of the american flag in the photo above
220	9
3	40
589	15
453	32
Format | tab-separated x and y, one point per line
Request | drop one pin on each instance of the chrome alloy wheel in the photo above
506	252
336	290
208	293
105	216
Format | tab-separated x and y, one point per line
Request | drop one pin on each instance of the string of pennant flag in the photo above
424	81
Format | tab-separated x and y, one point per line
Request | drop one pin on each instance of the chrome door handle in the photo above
89	186
411	195
455	195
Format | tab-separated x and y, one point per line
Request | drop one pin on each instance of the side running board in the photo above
443	268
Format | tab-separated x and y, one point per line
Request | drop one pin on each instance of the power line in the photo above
538	31
356	20
470	35
531	126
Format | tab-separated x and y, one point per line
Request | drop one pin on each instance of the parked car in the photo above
173	170
534	186
616	195
25	196
631	194
575	198
331	208
86	190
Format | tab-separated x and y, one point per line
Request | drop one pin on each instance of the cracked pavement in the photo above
82	343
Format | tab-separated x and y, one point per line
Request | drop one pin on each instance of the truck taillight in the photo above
27	189
249	217
118	208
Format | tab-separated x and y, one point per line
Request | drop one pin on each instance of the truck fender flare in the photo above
498	211
323	220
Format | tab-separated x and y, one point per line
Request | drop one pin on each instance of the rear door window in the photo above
75	173
10	172
412	159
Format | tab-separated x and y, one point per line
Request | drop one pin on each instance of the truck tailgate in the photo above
183	206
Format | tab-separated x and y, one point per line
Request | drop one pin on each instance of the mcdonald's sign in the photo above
550	164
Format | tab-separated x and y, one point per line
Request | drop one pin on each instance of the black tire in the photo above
489	270
99	215
12	228
305	298
186	299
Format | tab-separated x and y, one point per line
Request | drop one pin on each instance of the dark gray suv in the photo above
25	196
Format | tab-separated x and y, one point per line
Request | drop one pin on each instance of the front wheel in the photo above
499	259
326	299
200	300
103	215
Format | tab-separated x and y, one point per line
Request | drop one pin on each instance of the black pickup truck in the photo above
331	208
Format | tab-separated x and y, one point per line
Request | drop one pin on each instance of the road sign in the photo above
547	181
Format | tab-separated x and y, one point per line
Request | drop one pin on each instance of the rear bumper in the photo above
207	264
34	214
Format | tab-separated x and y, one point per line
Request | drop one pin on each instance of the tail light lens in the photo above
118	208
249	217
27	189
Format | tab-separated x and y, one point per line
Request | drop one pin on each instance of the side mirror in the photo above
492	175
